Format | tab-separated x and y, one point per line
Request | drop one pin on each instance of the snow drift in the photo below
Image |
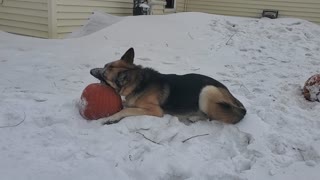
263	62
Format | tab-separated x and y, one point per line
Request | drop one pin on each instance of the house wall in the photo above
27	17
180	5
157	7
304	9
157	10
71	14
57	18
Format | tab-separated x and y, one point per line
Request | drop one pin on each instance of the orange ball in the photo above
311	89
98	101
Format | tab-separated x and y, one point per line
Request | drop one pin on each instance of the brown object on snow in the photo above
311	89
99	101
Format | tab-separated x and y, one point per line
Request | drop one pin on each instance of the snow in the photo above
82	105
144	5
97	21
263	62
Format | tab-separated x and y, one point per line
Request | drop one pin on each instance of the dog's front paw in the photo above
110	120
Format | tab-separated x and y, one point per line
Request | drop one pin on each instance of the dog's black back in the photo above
185	90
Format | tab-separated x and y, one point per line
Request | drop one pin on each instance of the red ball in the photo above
98	101
311	89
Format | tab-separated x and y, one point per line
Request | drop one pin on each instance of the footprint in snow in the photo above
144	59
168	63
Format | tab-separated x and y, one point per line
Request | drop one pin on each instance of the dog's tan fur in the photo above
216	102
209	97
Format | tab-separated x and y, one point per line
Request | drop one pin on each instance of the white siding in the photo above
180	5
71	14
56	18
27	17
157	7
304	9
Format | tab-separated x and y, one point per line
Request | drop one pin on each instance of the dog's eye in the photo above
121	79
122	76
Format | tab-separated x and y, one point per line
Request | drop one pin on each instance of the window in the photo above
170	4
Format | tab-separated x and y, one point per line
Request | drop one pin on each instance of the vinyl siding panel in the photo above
57	18
157	9
73	14
180	5
304	9
62	35
25	17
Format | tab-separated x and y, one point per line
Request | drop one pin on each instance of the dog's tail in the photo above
219	104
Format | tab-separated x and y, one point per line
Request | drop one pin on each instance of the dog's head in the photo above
118	74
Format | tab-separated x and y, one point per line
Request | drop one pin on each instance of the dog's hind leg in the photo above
219	104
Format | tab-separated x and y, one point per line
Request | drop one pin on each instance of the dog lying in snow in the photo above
148	92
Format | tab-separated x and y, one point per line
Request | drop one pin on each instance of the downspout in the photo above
186	5
52	19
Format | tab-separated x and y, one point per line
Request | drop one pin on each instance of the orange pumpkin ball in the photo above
311	89
99	101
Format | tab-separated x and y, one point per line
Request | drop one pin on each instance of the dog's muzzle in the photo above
98	73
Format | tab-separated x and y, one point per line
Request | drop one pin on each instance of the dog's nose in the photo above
96	72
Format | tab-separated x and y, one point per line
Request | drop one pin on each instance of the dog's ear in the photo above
128	56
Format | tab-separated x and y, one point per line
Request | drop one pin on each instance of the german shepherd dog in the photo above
148	92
